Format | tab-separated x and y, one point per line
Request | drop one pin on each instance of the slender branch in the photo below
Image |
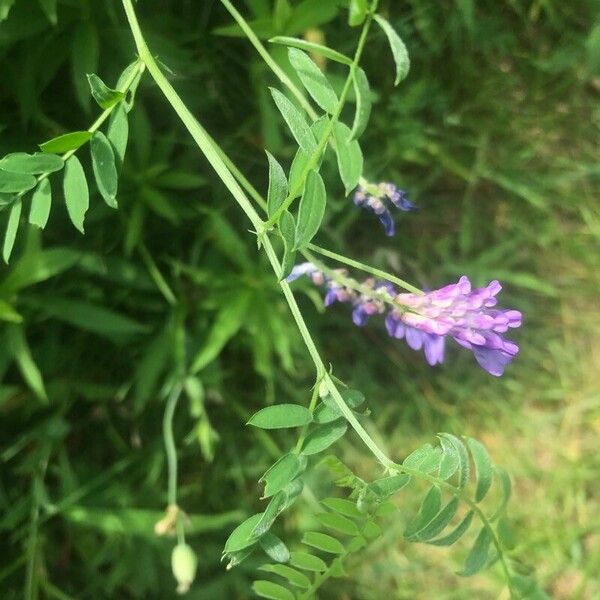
279	72
170	448
366	268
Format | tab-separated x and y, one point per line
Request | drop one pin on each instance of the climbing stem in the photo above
264	54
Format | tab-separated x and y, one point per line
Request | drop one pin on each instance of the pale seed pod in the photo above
183	564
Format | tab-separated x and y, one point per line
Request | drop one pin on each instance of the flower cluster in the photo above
375	197
467	315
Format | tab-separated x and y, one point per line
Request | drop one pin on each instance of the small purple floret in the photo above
376	198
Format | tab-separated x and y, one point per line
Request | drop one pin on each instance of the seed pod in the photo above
183	564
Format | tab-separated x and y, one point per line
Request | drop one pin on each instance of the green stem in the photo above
366	268
279	72
313	404
170	448
314	158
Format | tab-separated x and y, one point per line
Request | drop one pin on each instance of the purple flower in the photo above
374	197
467	315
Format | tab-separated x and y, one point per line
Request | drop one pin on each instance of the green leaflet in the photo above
274	547
399	50
483	468
118	132
311	210
41	202
12	226
295	121
455	534
438	523
479	554
294	576
105	170
307	562
362	91
278	185
323	436
76	192
313	80
349	155
358	10
65	143
279	475
241	537
272	591
338	523
287	230
102	94
322	541
33	164
464	469
430	506
342	506
281	416
15	183
312	48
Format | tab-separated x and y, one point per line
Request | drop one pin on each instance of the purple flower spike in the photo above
376	199
467	315
462	313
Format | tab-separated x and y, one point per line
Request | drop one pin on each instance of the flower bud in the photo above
323	390
183	564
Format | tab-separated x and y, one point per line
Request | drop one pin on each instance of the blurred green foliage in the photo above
495	135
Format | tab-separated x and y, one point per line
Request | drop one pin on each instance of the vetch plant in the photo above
465	492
